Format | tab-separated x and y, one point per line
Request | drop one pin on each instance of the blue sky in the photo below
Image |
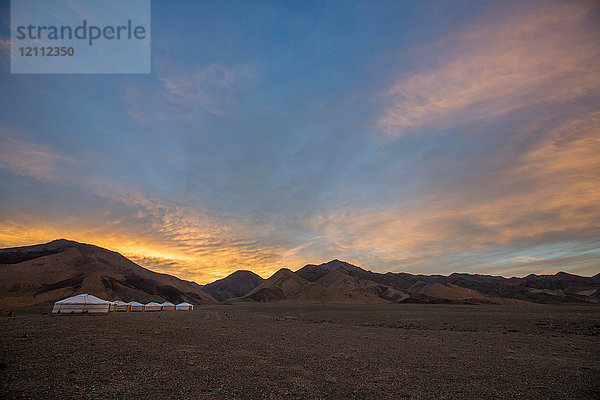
426	137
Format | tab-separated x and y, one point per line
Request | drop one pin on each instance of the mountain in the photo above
332	286
448	293
62	268
283	284
338	281
313	272
237	284
551	289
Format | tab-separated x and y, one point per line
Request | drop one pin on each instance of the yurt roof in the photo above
153	303
166	303
83	299
121	303
184	304
135	303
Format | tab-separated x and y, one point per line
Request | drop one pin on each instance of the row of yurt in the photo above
86	303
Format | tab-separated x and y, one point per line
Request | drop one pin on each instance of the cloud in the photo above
173	237
213	88
30	159
496	67
163	235
5	46
486	221
549	194
521	88
183	95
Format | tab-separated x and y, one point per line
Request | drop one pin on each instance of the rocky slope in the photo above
61	268
338	281
237	284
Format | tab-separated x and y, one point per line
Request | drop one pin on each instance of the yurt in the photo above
166	306
135	306
153	306
184	307
80	304
121	306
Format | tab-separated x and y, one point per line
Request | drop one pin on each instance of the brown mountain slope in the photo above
554	289
313	272
456	294
335	286
62	268
337	280
237	284
283	284
343	287
448	291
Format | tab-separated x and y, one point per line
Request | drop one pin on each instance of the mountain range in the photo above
343	282
58	269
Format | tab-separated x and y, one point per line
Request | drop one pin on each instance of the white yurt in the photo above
135	306
184	307
153	306
82	303
121	306
167	306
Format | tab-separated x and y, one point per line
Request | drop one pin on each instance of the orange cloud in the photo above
551	193
176	239
551	190
180	239
497	67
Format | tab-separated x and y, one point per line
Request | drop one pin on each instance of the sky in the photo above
427	137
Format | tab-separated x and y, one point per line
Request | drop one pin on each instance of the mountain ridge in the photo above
43	273
456	288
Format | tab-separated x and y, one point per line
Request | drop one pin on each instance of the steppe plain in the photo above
316	351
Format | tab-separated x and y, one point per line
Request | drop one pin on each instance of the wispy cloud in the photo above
183	95
550	194
213	88
30	159
5	46
162	235
498	66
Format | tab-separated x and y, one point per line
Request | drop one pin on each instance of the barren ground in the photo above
305	351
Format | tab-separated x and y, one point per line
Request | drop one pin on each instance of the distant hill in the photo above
62	268
237	284
333	286
339	281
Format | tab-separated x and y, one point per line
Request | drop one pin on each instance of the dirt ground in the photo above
273	351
